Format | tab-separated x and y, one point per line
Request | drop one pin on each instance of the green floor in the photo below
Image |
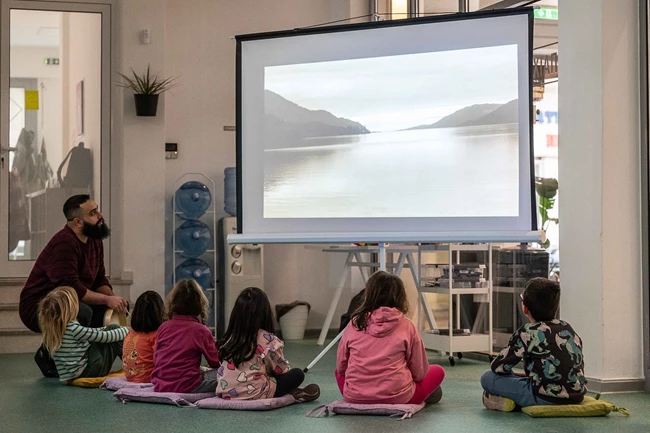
29	403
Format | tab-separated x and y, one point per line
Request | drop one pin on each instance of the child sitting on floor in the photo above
550	350
146	318
253	365
381	356
181	342
77	351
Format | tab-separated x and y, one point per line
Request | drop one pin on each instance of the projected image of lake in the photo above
419	135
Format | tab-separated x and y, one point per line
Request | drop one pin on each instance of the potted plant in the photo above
547	191
146	88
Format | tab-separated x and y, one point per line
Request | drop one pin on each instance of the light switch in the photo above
145	36
171	150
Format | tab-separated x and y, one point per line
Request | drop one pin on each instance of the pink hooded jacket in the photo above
382	363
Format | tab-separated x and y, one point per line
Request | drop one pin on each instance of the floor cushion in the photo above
262	404
589	407
94	382
393	410
119	382
148	395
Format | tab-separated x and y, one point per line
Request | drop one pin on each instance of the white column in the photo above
599	177
142	150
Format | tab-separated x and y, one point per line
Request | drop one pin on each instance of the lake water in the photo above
450	172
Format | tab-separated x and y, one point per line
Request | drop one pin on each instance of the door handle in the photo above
4	149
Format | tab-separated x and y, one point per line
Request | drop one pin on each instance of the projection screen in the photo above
410	130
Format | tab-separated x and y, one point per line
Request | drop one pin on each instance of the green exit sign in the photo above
546	14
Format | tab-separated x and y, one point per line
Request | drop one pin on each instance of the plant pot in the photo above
146	105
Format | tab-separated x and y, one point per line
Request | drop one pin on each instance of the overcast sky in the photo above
398	92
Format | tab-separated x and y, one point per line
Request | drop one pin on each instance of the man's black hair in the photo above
72	206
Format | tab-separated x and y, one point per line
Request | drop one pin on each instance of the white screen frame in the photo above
255	52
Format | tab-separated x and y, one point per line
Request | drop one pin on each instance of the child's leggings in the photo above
423	389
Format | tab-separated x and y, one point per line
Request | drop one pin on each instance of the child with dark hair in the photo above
182	341
253	365
550	350
381	356
137	355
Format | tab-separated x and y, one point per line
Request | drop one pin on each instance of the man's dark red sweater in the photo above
65	261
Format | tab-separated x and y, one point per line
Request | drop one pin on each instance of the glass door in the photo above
54	107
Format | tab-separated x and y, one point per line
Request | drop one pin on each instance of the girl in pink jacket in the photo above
381	357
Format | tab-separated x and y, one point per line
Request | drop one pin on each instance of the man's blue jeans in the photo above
519	389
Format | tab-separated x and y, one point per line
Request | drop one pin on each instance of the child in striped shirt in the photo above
77	351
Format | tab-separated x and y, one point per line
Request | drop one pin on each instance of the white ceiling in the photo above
34	28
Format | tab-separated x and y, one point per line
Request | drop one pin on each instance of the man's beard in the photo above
96	231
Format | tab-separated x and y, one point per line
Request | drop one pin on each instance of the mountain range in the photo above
288	122
478	115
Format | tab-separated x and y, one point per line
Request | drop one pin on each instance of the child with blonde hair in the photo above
181	342
381	357
77	351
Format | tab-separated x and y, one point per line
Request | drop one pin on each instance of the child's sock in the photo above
435	396
308	393
495	402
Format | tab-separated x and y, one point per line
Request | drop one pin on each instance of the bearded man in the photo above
73	257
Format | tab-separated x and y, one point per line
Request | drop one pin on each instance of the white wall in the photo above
200	51
621	192
599	178
140	160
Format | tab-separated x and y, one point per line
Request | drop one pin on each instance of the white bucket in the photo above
292	323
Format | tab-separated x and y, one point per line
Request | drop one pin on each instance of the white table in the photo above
355	259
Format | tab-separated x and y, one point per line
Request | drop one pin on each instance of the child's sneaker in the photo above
495	402
308	393
435	396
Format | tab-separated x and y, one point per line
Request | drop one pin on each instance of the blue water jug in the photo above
193	199
230	191
193	237
195	269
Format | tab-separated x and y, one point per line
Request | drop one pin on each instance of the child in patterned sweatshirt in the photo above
550	350
77	351
253	366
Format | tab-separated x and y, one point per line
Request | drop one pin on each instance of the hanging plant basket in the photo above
146	105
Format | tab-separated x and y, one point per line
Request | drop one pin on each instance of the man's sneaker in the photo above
435	396
495	402
308	393
45	362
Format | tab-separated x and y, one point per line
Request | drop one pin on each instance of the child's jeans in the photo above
519	389
423	389
208	383
101	357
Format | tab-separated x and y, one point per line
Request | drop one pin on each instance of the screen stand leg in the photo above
382	266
